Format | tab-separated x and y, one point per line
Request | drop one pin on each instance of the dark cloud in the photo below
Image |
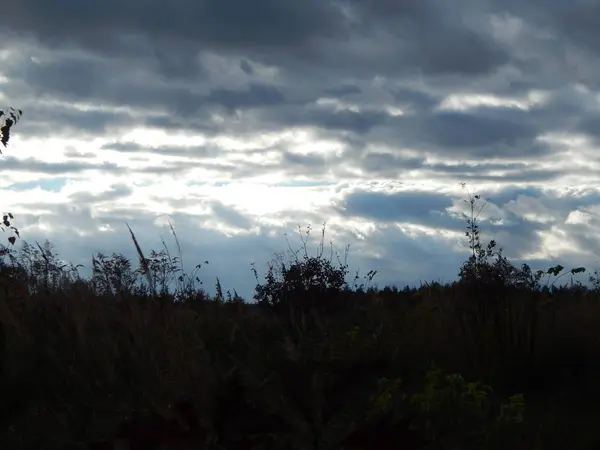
575	22
590	126
474	129
60	120
343	90
74	78
384	163
246	67
457	51
397	207
427	38
344	120
414	99
230	215
477	134
81	78
224	23
255	96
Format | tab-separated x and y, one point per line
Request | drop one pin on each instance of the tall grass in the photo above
495	360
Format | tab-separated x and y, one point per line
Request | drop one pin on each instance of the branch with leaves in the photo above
9	119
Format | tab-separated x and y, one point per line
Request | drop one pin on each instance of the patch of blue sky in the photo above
52	184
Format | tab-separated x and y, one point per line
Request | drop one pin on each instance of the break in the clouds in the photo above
239	121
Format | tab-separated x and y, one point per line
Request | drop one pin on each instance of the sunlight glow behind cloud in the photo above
349	113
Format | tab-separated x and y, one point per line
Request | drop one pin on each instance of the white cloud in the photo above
354	115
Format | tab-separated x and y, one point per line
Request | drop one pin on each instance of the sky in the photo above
240	121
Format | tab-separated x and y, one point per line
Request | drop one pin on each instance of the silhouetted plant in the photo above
8	119
7	225
113	275
480	268
305	280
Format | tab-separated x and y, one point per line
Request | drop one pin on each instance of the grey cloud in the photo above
33	165
526	176
74	153
74	167
456	129
516	241
560	205
343	90
576	21
415	99
462	168
54	120
458	51
76	77
475	134
230	215
383	163
191	152
255	96
115	192
80	78
225	22
180	65
590	126
428	38
165	169
414	260
246	67
397	207
358	122
308	161
125	147
183	124
518	236
434	38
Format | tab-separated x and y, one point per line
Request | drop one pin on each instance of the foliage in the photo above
450	411
7	120
141	355
306	280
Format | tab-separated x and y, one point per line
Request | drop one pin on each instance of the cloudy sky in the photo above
239	120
